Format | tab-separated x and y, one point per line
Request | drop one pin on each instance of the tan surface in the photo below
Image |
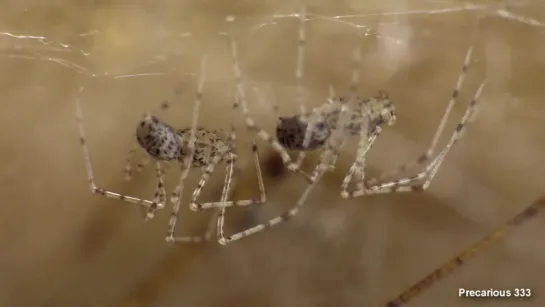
61	246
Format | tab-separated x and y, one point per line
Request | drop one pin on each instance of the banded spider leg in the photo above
250	123
221	150
423	179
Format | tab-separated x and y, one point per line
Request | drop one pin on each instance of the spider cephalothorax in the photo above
371	112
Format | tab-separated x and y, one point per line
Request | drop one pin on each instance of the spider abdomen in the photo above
158	139
291	132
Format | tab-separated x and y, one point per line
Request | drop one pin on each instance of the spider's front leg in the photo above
427	157
224	203
89	167
423	179
230	159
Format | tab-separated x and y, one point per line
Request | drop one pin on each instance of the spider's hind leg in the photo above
89	166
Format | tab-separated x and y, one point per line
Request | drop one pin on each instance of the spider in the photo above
329	126
193	147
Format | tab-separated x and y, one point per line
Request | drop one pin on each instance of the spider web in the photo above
131	57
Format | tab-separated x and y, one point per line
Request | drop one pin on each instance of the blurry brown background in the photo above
62	246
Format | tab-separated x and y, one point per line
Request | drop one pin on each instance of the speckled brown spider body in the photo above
322	121
192	147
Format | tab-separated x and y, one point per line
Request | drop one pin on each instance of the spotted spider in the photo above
291	132
193	147
329	127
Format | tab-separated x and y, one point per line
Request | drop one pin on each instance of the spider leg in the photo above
332	95
142	164
231	158
358	167
220	211
328	159
186	167
160	192
89	166
212	220
357	60
284	217
335	156
224	203
173	221
237	203
127	171
422	180
299	79
331	155
333	146
207	173
251	125
428	154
